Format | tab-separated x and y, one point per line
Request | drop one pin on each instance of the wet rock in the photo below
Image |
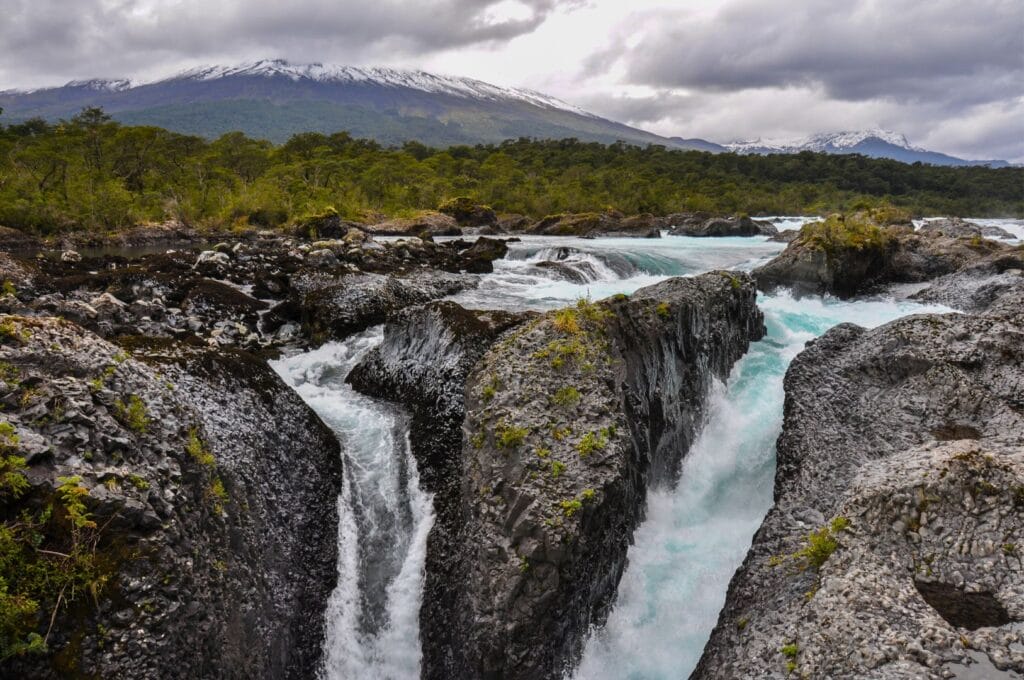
70	256
592	225
915	561
433	223
212	257
479	258
975	287
336	307
321	259
955	227
725	226
468	213
568	419
513	223
15	239
422	363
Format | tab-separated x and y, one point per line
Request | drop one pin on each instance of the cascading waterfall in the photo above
695	535
372	616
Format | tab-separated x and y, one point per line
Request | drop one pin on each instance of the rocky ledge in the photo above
847	255
567	420
168	512
894	546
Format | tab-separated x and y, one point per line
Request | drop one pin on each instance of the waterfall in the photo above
372	616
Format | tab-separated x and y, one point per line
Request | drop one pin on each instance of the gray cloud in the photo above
50	40
857	49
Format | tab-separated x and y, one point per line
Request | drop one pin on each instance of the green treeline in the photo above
92	173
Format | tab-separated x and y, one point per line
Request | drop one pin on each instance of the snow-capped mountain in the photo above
875	143
275	99
388	77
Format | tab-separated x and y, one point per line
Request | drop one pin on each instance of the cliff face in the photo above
205	542
893	549
567	420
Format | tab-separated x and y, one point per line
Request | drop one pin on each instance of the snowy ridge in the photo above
388	77
826	141
102	84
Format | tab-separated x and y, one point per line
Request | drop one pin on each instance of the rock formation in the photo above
568	419
853	254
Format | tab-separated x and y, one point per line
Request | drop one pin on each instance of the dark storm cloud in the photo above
56	39
854	49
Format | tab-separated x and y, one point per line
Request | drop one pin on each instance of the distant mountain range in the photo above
876	143
274	99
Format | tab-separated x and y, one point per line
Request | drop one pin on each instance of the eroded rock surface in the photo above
893	547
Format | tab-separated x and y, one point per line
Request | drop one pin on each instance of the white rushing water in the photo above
695	535
372	617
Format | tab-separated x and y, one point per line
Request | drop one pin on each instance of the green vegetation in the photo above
566	396
91	173
12	480
663	310
859	231
133	414
557	468
49	559
820	544
490	389
590	442
195	448
509	436
218	494
790	651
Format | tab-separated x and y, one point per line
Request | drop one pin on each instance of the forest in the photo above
92	173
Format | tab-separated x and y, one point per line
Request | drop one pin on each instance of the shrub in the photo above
509	436
218	494
557	468
132	414
591	441
571	507
566	321
12	479
197	450
664	310
566	396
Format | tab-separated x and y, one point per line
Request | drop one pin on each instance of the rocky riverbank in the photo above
893	549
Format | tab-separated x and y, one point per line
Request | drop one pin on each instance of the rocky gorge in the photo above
543	394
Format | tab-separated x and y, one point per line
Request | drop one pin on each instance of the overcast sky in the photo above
947	73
